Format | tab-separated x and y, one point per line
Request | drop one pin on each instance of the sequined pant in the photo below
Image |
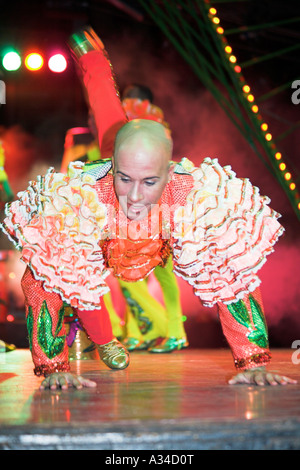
46	330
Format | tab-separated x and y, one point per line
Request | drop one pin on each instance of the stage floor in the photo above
177	401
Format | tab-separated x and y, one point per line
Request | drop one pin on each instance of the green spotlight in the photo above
11	61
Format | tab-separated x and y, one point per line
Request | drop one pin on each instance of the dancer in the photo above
137	102
148	325
127	215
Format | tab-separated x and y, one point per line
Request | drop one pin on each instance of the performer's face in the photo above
141	172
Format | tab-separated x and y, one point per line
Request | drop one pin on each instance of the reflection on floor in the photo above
171	401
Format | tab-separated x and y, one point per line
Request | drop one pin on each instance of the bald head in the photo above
147	133
142	169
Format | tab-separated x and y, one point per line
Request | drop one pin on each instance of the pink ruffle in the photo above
223	234
57	223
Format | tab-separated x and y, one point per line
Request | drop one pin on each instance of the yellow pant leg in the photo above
147	311
132	329
171	295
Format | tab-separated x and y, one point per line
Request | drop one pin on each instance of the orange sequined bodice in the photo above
133	249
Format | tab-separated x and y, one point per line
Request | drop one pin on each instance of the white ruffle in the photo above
57	223
223	234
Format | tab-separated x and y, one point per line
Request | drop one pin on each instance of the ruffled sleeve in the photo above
57	224
222	234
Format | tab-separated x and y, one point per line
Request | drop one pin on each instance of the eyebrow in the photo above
148	177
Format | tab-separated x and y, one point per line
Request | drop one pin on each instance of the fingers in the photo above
44	384
271	379
238	379
80	382
260	378
54	381
282	380
290	381
88	383
276	379
64	381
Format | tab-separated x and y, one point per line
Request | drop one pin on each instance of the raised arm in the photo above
100	87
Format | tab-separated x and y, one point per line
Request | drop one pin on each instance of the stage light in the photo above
220	30
232	59
288	176
237	69
255	108
216	20
278	156
250	98
246	88
282	166
268	136
228	49
11	61
34	61
213	11
10	318
57	63
292	186
264	126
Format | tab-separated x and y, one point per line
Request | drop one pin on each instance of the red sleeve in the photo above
103	98
46	331
245	329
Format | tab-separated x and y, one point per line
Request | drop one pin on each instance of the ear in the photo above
171	171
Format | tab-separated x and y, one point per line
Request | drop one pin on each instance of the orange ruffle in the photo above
133	260
136	108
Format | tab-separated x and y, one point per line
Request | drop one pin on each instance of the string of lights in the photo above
13	60
195	29
285	175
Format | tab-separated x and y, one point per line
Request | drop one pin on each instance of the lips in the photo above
136	212
135	208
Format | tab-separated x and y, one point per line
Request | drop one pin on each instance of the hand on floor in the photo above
260	376
64	380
